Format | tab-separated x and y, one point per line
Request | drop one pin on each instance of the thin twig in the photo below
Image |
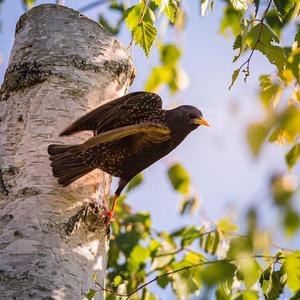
273	245
92	5
277	258
247	62
184	248
140	21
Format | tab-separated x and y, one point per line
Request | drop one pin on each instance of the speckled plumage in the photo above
131	133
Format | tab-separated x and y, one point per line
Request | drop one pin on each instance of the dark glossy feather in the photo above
122	111
132	132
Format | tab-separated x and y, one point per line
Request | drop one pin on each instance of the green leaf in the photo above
169	54
91	294
210	242
257	133
256	3
133	15
269	92
161	4
287	125
179	178
263	32
140	218
296	296
189	235
144	35
204	5
140	20
163	281
161	260
248	295
238	247
282	189
249	269
231	22
218	272
224	291
293	155
274	54
158	76
193	258
135	182
239	4
169	72
28	3
284	7
188	206
187	282
171	9
297	37
113	254
273	20
292	265
273	282
94	276
266	37
235	75
226	225
137	258
291	221
117	280
128	240
238	44
184	284
114	30
147	295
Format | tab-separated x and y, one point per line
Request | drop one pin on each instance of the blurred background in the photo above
225	176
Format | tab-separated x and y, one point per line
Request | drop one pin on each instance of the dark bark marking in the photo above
3	188
88	215
28	74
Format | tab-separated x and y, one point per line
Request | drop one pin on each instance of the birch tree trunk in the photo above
62	65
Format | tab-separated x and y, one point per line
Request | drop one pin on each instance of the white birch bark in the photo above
62	65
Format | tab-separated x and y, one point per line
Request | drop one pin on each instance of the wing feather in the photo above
153	132
106	116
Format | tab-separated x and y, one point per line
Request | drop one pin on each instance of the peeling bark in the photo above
62	65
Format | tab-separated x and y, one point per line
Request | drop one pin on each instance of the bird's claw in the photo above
107	215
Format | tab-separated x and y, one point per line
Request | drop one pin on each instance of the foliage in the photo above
140	20
195	259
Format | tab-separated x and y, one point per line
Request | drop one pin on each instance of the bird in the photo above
130	133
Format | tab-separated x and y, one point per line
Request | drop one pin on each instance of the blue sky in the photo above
223	172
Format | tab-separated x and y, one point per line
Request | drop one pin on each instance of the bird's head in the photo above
186	117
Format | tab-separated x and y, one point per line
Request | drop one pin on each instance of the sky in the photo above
223	171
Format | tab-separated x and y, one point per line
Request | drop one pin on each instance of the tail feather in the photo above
65	166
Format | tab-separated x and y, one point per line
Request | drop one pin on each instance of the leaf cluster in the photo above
196	261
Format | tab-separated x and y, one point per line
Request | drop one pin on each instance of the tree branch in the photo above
247	62
225	260
92	5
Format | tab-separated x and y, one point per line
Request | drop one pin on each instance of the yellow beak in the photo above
201	121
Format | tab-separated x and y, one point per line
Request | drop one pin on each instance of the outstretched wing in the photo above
152	132
127	110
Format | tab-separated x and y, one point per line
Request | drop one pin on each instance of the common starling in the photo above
130	133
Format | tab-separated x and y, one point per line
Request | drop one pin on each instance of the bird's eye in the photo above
193	116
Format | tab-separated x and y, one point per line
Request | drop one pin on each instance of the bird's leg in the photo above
110	213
